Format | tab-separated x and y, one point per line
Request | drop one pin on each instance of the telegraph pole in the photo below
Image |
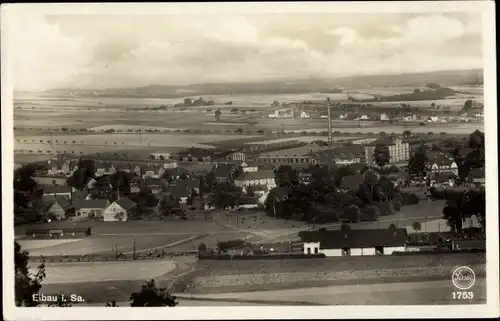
133	257
329	120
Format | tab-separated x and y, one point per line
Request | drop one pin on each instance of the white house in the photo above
58	191
246	167
90	208
119	210
262	177
363	117
343	116
355	242
304	115
384	117
433	119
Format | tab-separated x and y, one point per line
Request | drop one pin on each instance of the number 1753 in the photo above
463	295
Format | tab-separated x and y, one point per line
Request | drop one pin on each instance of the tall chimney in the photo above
329	121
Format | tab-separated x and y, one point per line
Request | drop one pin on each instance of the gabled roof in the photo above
62	200
352	181
57	189
356	238
90	203
125	203
264	174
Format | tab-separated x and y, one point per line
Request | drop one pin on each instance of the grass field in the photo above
105	271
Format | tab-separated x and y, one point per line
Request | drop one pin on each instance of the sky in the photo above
116	51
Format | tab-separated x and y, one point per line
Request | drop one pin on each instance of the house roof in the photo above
178	191
177	171
302	151
352	181
224	170
79	195
356	238
57	189
62	200
440	159
125	203
387	140
345	152
261	174
90	203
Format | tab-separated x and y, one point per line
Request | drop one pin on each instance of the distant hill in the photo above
443	78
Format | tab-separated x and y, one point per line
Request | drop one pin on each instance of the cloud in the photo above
122	51
42	57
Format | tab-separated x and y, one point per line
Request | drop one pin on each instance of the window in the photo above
316	250
308	250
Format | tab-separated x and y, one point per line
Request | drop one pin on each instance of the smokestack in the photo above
329	121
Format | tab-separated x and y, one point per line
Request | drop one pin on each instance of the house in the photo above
43	233
248	167
263	177
80	195
88	208
342	116
477	176
302	155
53	180
352	182
120	210
224	172
161	155
237	156
178	173
60	166
304	115
304	178
57	206
384	117
343	155
154	184
355	242
438	162
433	119
443	180
152	170
58	190
179	191
398	150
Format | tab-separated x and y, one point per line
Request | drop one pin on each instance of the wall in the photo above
369	251
331	252
356	252
111	211
389	250
311	246
57	211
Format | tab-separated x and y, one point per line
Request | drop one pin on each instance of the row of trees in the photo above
292	199
28	284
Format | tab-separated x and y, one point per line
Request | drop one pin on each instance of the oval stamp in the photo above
463	278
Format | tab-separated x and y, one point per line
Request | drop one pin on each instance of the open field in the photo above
133	227
105	271
103	244
89	142
401	293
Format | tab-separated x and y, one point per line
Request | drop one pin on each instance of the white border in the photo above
491	309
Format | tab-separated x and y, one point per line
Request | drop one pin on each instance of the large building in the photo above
294	156
398	150
355	242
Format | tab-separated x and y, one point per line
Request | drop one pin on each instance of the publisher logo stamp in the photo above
463	278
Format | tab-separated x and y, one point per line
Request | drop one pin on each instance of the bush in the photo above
385	208
370	213
352	213
397	205
409	199
398	197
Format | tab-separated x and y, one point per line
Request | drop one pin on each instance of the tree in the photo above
152	296
392	226
26	284
433	105
217	114
202	248
80	177
168	204
275	103
25	187
381	155
416	226
467	105
285	175
406	133
225	194
418	162
353	214
112	304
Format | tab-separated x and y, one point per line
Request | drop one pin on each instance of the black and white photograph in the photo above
303	157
